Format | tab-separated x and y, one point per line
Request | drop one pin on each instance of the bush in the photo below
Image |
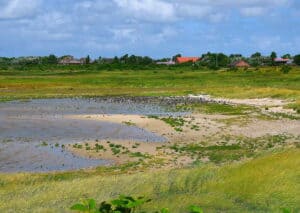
128	204
124	204
233	69
285	69
297	59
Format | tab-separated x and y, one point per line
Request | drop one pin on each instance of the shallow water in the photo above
33	133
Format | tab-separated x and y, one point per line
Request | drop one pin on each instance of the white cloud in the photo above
128	34
266	42
50	26
217	17
173	10
193	10
149	10
252	11
14	9
165	33
139	25
202	8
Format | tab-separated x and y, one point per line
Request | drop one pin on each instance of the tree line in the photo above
209	60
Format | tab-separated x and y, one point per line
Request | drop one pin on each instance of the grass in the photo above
129	123
250	84
138	155
117	148
295	106
216	108
176	123
230	149
215	153
265	184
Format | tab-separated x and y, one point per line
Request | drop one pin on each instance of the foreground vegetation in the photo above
123	204
265	184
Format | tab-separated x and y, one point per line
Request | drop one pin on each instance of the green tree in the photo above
124	59
52	59
147	60
88	59
215	60
132	59
256	55
116	60
287	56
222	60
273	56
176	56
297	59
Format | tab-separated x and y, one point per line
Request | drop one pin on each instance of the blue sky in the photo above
157	28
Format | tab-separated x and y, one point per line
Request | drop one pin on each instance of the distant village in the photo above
236	60
208	59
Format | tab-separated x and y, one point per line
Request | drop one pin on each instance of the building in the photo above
290	62
70	60
181	60
240	64
280	61
166	62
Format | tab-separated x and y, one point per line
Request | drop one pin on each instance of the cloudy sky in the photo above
156	28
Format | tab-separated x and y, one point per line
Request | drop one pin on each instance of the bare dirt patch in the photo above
273	105
196	130
195	126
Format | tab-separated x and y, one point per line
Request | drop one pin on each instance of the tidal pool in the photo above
33	133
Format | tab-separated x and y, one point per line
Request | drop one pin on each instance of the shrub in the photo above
297	59
124	204
285	69
233	69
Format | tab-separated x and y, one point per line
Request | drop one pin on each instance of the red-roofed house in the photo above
180	60
281	60
240	63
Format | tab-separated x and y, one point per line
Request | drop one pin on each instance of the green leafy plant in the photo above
164	210
129	123
88	205
127	204
139	155
285	210
195	209
123	204
44	143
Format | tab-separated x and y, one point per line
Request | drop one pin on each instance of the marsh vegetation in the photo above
224	157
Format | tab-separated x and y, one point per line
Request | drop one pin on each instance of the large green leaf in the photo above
80	207
195	209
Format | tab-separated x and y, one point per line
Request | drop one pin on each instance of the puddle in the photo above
32	157
33	133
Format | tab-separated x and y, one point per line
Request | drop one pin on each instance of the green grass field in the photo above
265	184
268	82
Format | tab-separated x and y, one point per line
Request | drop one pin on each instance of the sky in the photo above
156	28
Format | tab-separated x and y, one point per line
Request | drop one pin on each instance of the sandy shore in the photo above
207	125
210	128
131	146
51	125
156	154
273	105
